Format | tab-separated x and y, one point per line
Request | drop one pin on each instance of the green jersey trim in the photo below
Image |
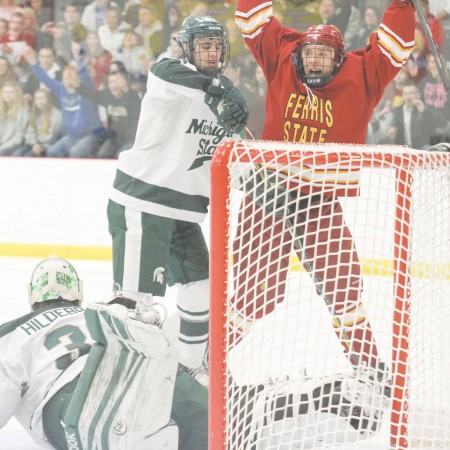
12	325
156	194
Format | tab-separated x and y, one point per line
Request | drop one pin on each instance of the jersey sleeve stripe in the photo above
252	22
392	46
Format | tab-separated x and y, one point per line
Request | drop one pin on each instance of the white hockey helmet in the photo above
55	278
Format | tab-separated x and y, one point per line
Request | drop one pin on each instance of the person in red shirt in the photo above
317	93
14	43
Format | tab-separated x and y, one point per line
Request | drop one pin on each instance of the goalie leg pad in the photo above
125	391
314	412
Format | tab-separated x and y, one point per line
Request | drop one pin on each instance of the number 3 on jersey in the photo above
74	341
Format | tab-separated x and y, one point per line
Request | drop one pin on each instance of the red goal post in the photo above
396	204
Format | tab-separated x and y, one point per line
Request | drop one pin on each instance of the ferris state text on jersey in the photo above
213	133
318	114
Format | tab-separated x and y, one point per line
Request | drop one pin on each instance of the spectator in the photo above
237	46
13	45
83	132
437	99
173	50
16	30
3	29
96	58
8	8
393	92
184	6
44	127
40	39
7	72
381	129
349	18
417	65
327	11
43	13
254	102
150	28
200	9
112	32
94	14
441	10
13	118
46	59
68	30
413	122
133	53
436	28
372	19
133	7
122	106
172	23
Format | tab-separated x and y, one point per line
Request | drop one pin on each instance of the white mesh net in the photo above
330	262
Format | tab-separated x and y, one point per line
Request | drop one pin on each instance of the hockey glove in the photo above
227	104
442	147
266	192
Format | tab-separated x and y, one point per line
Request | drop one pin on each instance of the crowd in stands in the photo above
72	74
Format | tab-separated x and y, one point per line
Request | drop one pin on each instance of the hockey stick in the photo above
443	72
281	191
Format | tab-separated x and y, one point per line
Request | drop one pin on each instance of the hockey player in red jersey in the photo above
317	93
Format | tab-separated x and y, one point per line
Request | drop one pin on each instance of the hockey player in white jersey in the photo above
98	378
162	185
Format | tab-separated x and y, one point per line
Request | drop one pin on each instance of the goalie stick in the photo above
381	373
298	242
443	72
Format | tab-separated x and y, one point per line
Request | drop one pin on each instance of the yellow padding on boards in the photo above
369	267
64	251
385	268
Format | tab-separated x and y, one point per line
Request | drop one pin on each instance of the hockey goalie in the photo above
101	378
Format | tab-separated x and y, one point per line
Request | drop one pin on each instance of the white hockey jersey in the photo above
167	172
40	353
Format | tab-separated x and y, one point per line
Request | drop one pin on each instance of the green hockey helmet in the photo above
55	279
194	28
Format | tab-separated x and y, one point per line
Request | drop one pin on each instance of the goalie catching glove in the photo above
227	104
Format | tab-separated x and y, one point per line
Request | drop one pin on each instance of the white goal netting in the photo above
330	317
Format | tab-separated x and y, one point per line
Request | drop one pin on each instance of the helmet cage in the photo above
328	36
194	28
55	279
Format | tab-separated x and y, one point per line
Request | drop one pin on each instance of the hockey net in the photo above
328	263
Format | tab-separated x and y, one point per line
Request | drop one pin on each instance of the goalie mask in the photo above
319	55
204	43
54	279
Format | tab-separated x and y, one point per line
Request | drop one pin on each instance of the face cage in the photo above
223	60
313	80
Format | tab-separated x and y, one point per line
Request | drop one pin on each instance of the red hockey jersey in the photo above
341	110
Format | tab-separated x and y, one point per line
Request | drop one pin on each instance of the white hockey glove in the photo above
227	104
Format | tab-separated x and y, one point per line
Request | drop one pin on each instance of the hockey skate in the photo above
201	373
